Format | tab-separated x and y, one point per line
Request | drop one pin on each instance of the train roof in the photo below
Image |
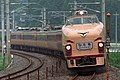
36	32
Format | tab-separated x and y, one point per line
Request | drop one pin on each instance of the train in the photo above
81	41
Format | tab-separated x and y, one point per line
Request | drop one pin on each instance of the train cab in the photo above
83	40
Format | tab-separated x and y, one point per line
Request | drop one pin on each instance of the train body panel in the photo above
17	42
54	40
50	39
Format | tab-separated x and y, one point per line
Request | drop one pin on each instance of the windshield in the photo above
82	20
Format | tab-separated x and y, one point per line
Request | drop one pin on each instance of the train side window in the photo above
51	37
18	36
13	36
28	37
59	37
41	37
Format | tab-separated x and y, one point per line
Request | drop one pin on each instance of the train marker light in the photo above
101	47
108	14
81	12
100	44
68	47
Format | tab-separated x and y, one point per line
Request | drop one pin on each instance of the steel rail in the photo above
27	73
90	78
8	76
93	76
75	77
30	63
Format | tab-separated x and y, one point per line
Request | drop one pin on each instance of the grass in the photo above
1	63
114	59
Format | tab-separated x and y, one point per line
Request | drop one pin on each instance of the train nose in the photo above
82	32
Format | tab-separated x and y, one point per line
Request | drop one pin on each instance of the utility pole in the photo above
104	16
116	27
3	27
103	11
64	17
29	15
7	32
44	9
13	23
75	5
44	17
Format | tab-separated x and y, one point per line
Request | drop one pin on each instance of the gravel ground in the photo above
63	74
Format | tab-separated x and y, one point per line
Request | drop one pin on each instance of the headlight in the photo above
100	44
68	47
101	48
68	50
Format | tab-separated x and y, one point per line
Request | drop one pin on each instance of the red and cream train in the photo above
81	40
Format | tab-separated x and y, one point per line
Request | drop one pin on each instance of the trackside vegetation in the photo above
1	63
114	59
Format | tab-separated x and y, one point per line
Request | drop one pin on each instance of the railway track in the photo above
55	71
93	76
34	64
77	77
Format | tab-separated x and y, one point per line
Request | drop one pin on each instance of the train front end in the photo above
83	41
